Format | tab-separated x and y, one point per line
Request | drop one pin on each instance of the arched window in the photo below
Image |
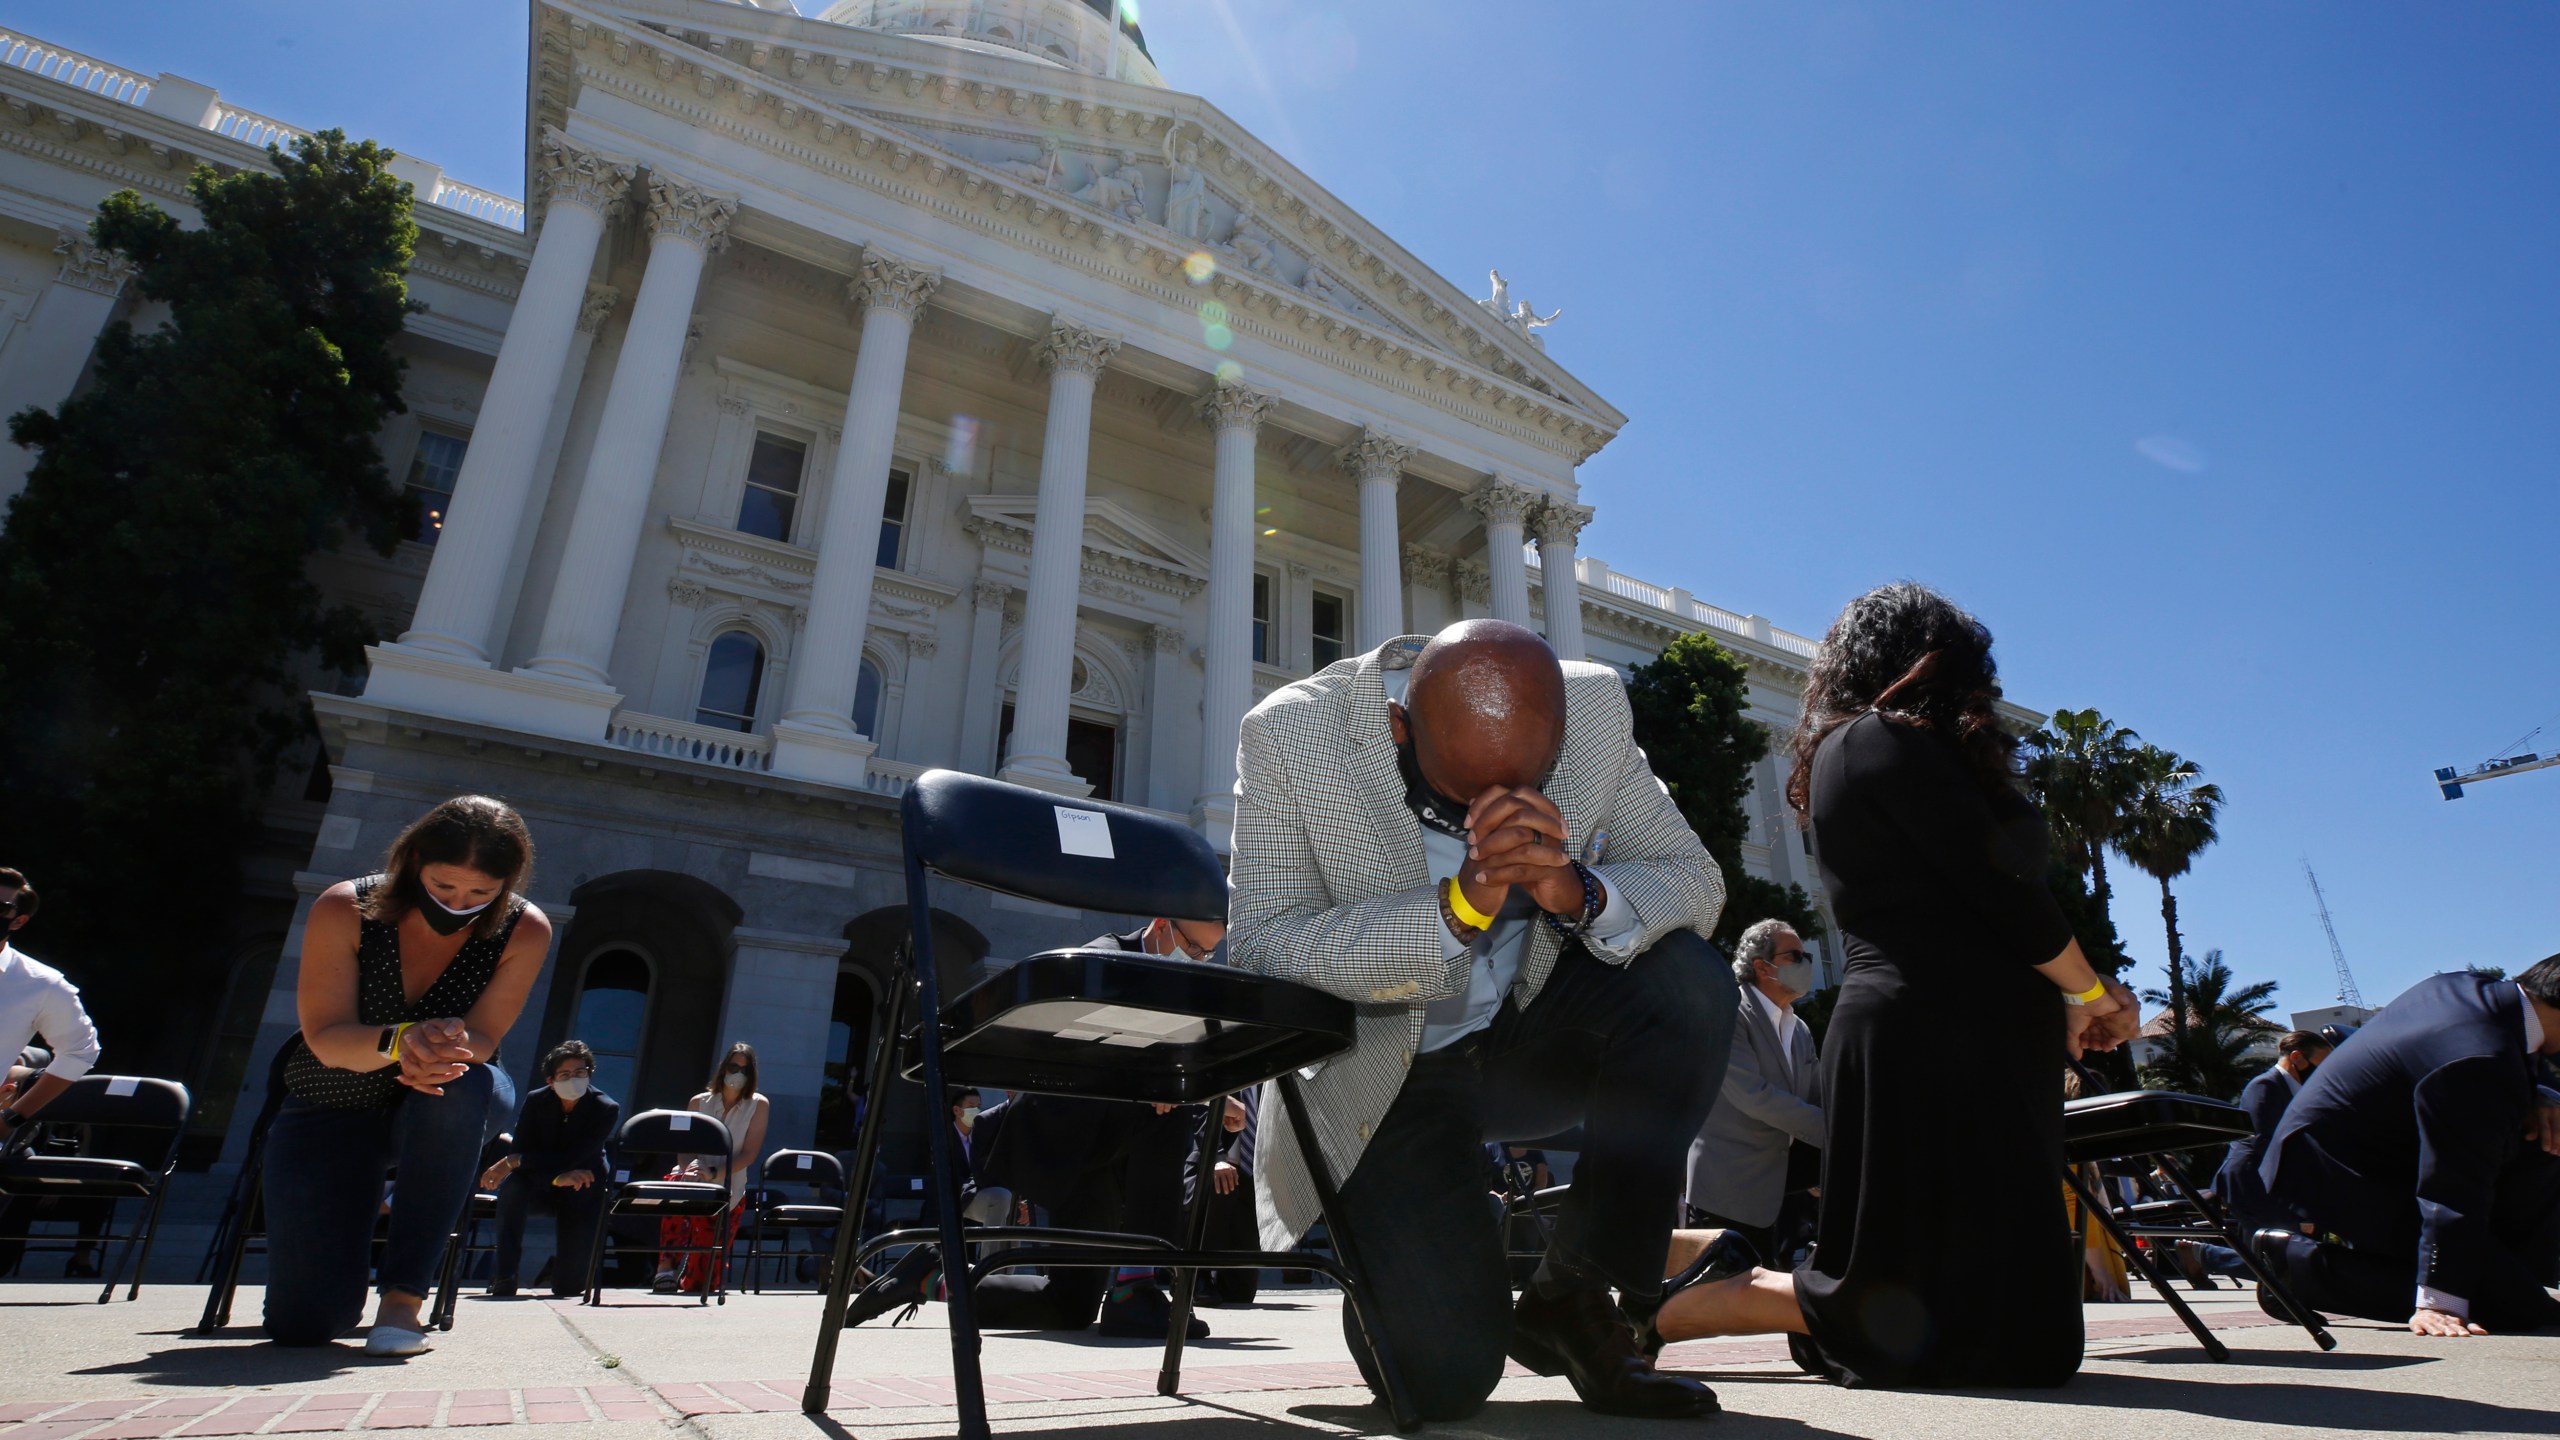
613	1015
730	680
866	701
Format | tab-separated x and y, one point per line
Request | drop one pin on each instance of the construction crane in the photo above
2348	994
2517	761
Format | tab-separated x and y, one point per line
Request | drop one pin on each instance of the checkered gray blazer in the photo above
1331	888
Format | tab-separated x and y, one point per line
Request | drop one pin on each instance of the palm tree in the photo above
2081	769
2209	1055
2168	824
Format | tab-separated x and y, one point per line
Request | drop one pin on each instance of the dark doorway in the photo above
642	975
1093	752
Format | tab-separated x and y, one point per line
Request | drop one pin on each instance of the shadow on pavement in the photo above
2312	1360
1521	1418
2304	1406
248	1360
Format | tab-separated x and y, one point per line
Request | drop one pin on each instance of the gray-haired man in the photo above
1772	1094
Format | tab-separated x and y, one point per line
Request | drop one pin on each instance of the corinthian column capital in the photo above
1076	349
1472	579
90	267
1234	406
598	305
681	210
1425	566
1557	523
574	174
1376	455
889	283
1503	502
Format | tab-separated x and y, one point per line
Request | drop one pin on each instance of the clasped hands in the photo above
433	1052
2111	1020
1516	837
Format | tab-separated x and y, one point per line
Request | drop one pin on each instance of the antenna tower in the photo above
2347	992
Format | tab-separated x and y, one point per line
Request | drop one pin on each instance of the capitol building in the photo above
920	383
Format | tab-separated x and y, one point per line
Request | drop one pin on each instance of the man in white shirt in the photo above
1772	1096
35	1001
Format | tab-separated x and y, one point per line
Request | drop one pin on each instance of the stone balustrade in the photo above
479	204
892	777
251	128
80	72
1682	605
682	740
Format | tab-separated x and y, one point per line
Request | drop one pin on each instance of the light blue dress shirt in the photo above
1497	951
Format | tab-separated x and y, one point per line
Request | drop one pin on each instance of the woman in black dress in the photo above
1964	991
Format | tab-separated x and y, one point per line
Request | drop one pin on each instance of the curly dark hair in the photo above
1914	655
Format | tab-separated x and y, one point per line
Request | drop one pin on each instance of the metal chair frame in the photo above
808	1164
115	1102
636	1139
916	977
2213	1223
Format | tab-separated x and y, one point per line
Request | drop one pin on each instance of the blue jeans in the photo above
323	1189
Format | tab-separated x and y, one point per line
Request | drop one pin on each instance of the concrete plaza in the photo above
645	1365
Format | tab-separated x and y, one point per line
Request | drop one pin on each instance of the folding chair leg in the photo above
448	1279
2221	1220
2106	1218
967	1386
857	1196
124	1257
1186	1281
150	1232
1356	1290
595	1257
755	1256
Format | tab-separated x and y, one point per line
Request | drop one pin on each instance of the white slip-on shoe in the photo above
394	1341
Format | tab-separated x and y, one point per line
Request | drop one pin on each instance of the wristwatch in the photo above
390	1038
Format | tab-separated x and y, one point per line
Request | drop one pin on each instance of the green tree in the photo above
2210	1054
2170	821
154	569
1689	718
2080	768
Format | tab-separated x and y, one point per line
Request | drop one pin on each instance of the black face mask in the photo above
1435	810
444	921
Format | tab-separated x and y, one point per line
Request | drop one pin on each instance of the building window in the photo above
433	467
613	1016
1261	619
1329	628
893	520
773	487
1093	751
730	681
866	701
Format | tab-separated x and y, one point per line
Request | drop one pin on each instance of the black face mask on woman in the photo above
444	919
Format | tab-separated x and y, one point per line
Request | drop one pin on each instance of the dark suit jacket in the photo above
2266	1099
551	1139
2396	1142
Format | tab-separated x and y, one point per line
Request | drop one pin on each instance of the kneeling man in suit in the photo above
1461	837
2425	1147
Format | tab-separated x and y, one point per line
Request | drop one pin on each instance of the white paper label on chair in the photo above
1084	832
123	1084
679	1122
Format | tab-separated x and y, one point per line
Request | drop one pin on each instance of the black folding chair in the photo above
681	1134
1101	1024
114	1103
2148	1127
816	1169
480	1209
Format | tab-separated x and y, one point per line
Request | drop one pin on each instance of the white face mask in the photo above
968	1114
1796	978
734	1079
571	1087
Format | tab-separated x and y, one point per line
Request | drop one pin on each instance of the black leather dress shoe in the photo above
2270	1246
908	1283
1589	1340
1726	1256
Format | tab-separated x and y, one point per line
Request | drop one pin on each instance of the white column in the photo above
1075	357
1227	654
978	692
468	578
599	307
685	225
55	345
1505	507
1558	525
1377	462
1426	580
815	739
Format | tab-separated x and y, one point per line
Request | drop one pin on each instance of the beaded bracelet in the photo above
1590	905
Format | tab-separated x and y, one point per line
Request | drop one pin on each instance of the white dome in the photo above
1095	37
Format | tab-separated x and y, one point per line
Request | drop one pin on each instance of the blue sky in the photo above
2205	350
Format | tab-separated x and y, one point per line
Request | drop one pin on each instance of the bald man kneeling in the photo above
1460	836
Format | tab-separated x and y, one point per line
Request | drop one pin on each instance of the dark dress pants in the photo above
2377	1279
1635	1055
577	1212
1093	1165
323	1188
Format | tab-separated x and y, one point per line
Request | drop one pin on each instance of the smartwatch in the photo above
390	1038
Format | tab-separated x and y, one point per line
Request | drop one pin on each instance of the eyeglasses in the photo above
565	1073
1791	955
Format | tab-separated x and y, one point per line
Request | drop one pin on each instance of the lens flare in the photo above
1200	266
960	451
1270	532
1220	337
1129	11
1213	312
1230	371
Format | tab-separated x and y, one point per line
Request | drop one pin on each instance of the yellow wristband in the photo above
398	1034
1468	915
2086	996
